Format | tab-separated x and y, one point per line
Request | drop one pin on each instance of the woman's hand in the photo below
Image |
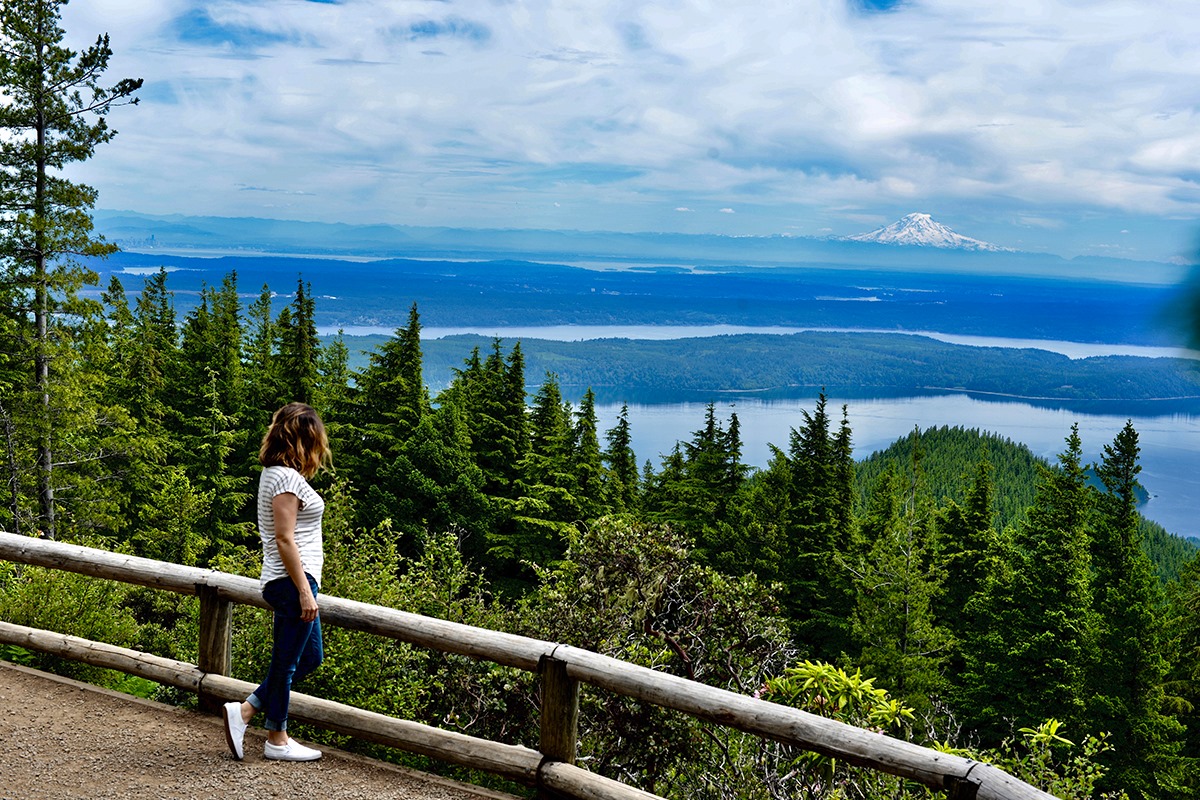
308	604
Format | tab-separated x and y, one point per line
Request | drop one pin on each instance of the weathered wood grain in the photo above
162	670
571	781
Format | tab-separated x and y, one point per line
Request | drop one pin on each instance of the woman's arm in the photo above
286	506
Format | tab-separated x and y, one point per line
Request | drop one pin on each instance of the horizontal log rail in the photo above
562	668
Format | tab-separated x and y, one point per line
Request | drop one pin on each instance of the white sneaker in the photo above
235	729
292	751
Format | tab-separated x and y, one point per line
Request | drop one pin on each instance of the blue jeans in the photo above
296	652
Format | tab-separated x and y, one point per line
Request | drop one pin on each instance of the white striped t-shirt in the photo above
282	480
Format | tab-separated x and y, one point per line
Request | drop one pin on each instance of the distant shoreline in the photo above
575	333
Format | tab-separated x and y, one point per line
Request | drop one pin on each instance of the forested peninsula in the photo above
851	363
954	591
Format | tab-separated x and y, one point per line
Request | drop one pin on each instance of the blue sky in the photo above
1066	126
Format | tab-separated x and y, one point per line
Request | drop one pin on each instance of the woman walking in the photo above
289	525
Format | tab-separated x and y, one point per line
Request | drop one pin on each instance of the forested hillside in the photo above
944	459
981	593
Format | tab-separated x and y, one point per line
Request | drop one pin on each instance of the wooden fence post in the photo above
961	788
559	715
216	639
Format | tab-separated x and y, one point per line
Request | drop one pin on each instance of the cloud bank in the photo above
1023	122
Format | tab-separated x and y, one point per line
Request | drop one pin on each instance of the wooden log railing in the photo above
551	768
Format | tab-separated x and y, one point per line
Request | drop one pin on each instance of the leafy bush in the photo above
1040	756
1044	758
76	605
632	592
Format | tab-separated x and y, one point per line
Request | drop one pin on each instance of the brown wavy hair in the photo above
296	438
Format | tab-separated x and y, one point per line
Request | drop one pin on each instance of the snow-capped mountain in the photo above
922	230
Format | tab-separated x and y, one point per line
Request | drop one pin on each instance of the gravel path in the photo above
63	739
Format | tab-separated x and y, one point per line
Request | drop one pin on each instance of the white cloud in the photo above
1035	221
353	110
1170	156
728	211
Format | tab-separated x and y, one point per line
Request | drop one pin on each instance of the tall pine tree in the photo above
967	538
622	479
299	347
1035	633
53	114
897	583
1127	679
589	469
819	530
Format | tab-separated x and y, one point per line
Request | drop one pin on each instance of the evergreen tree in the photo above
96	434
667	498
1128	677
263	382
299	347
702	504
225	488
546	505
897	583
548	471
151	361
513	419
172	517
966	537
15	521
1035	640
388	404
843	477
589	470
698	490
12	381
819	530
495	408
622	478
434	485
391	397
491	396
1184	677
54	114
332	394
134	390
467	392
227	337
550	430
120	318
210	358
761	545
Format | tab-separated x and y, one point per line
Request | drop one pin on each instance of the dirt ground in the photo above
63	739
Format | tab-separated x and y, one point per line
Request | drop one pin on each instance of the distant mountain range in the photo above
921	230
956	254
